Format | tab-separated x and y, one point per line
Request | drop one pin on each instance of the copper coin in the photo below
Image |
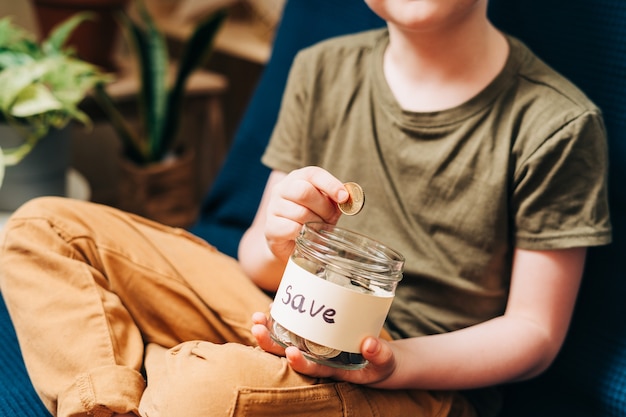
355	202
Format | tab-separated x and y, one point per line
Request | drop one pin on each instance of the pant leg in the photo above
202	379
86	285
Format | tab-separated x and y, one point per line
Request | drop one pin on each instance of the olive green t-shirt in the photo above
522	164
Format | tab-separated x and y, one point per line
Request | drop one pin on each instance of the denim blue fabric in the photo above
17	395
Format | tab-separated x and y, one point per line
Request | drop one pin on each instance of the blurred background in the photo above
217	95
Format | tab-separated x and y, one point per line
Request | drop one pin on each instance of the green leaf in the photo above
199	47
196	52
14	80
151	49
59	35
131	142
159	106
41	85
34	99
10	59
7	31
15	38
71	79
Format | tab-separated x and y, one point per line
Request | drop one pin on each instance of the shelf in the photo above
200	82
238	36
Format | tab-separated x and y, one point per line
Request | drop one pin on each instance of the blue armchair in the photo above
584	40
580	38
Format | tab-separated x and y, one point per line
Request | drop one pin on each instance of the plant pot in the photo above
41	173
94	40
166	192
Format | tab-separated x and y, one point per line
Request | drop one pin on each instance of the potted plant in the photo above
156	169
41	86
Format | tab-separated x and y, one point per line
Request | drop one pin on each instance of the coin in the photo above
296	340
355	202
321	351
282	334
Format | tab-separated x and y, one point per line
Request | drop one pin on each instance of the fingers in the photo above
325	182
381	357
261	333
378	352
304	366
302	200
309	194
259	318
305	195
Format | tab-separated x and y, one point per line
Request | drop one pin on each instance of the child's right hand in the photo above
304	195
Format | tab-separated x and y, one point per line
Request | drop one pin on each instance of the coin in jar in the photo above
355	201
320	350
282	334
295	340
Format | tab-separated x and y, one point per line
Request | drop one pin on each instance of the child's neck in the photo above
432	72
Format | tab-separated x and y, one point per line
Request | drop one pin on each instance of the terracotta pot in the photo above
94	40
41	173
165	192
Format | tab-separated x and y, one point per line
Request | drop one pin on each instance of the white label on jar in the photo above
327	313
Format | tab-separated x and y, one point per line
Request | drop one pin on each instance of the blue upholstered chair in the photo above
225	216
586	41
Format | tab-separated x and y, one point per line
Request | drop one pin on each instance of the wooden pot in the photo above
94	40
166	192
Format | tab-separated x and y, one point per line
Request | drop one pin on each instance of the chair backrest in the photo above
586	41
232	201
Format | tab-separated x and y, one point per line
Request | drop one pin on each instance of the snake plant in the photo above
41	83
160	104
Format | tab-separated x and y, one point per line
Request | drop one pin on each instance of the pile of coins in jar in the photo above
316	352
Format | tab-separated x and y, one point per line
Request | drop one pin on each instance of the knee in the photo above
30	223
202	378
28	235
188	380
225	366
43	207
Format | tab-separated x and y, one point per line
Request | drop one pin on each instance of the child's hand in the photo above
260	331
304	195
378	352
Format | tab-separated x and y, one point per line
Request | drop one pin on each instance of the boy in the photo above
480	164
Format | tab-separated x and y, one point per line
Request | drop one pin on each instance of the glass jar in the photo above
336	290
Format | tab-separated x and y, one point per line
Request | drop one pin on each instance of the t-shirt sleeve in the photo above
560	190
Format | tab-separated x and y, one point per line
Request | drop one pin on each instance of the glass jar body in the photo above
336	290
